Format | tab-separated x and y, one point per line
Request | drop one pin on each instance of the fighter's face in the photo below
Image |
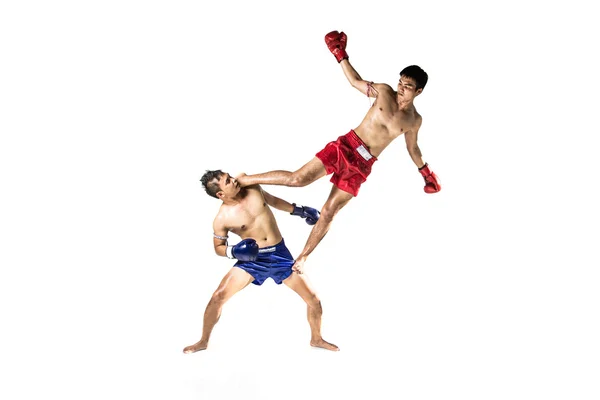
407	88
228	186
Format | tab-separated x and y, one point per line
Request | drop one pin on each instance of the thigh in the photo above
300	284
234	281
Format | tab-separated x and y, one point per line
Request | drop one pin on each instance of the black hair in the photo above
417	73
210	186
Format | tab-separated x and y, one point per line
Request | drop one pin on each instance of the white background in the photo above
111	112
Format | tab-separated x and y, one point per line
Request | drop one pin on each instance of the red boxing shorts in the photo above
349	160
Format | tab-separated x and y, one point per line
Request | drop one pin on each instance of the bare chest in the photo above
244	217
392	121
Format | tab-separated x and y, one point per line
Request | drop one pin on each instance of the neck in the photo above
231	201
404	104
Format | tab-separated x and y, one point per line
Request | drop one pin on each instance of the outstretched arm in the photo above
312	215
367	88
278	203
336	43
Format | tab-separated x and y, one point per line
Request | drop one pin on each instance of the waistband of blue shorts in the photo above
271	249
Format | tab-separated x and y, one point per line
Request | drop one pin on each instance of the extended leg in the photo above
235	280
306	175
336	201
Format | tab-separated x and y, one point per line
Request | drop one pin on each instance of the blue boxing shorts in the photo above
273	262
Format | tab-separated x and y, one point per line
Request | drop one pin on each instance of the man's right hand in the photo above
245	250
336	43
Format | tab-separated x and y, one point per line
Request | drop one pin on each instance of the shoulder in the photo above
417	122
418	118
253	196
220	223
384	88
221	215
385	93
253	191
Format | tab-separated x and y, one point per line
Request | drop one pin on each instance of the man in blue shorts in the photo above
261	253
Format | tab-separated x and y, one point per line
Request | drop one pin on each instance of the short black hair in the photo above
210	186
417	73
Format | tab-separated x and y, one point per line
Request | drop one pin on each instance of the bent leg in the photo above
336	201
234	281
300	285
310	172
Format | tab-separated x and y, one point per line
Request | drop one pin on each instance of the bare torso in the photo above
385	121
251	217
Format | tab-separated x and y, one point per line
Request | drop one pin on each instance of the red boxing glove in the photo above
336	42
431	180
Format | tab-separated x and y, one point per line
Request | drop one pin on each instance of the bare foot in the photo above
195	347
242	179
324	345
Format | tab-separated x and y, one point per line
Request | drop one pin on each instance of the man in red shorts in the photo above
352	155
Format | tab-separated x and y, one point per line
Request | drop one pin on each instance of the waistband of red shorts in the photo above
355	142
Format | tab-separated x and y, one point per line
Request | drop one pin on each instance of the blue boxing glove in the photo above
246	250
311	215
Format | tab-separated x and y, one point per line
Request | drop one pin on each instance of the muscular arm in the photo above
311	215
411	145
219	229
278	203
367	88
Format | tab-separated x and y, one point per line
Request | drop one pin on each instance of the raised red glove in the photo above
336	42
432	184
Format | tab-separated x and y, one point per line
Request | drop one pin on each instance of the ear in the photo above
418	92
220	194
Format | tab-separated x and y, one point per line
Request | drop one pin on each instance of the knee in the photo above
314	302
329	211
218	297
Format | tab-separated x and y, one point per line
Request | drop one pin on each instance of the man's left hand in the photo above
311	214
432	183
298	266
